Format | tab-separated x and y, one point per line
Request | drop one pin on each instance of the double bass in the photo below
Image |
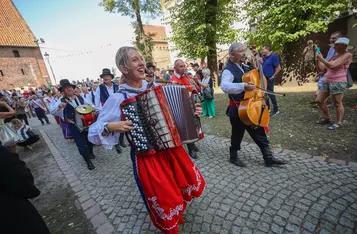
253	110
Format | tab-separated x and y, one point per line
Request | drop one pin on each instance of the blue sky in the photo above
72	28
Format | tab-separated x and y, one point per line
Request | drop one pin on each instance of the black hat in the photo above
196	65
64	83
106	71
150	64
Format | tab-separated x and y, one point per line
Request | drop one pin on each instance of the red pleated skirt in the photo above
167	181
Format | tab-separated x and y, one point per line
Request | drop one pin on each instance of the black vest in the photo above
69	110
104	95
237	74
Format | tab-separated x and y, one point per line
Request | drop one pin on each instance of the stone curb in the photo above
91	209
340	162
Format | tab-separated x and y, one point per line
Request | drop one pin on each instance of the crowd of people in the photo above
179	179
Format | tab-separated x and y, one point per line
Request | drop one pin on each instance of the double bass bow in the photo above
253	110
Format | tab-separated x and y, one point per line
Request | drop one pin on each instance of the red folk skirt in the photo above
167	180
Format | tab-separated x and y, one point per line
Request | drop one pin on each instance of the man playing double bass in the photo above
232	84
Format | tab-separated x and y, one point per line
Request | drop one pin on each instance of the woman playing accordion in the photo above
165	175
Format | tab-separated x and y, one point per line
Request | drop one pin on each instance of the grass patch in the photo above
294	128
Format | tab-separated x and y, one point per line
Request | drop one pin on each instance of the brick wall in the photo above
7	52
12	76
161	54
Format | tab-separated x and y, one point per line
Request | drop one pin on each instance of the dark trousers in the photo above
271	96
256	133
23	117
85	148
41	114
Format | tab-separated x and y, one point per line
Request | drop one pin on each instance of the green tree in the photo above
199	25
285	21
134	9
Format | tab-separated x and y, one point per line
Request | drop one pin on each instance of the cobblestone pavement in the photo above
57	202
308	195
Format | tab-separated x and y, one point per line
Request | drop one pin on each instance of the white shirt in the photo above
98	104
88	97
227	84
110	113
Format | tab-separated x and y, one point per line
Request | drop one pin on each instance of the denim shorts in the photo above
334	87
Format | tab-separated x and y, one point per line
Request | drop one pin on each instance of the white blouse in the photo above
111	113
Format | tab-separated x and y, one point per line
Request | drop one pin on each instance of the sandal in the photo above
324	121
334	126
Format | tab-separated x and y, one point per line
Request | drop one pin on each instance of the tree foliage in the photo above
284	21
190	28
134	9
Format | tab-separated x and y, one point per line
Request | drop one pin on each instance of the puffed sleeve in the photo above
55	110
110	113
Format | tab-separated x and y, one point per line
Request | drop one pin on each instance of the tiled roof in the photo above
158	31
14	30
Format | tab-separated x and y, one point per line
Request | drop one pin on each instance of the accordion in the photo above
163	118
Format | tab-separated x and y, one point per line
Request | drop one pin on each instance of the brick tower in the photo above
21	61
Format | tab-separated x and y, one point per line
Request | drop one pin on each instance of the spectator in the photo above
203	65
308	52
335	82
6	115
208	108
198	72
331	53
17	214
40	109
220	70
77	91
6	112
20	110
27	137
169	74
271	68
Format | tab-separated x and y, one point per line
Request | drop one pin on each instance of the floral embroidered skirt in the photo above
167	180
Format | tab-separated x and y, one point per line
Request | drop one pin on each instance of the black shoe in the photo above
49	123
122	141
118	149
273	161
269	158
43	124
233	158
193	154
195	148
90	165
92	156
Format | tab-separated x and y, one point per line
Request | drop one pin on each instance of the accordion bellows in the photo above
163	118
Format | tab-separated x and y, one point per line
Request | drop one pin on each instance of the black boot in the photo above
195	148
191	151
86	157
269	158
118	149
233	158
92	156
122	141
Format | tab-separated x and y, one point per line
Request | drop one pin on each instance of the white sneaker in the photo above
274	114
210	117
